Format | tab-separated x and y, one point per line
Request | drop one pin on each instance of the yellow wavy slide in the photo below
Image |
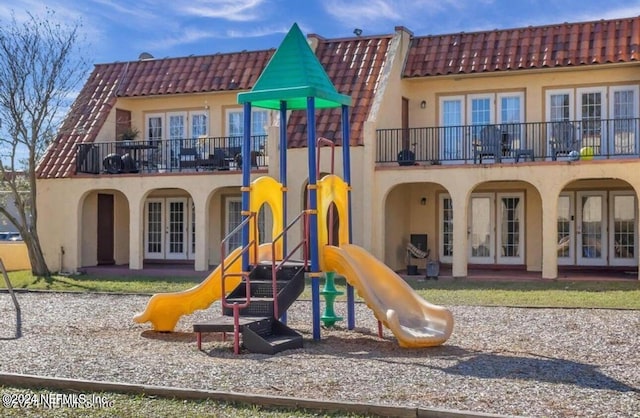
165	309
414	321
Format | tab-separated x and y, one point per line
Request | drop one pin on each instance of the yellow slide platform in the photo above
165	309
414	321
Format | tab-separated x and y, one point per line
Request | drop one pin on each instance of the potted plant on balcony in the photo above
130	134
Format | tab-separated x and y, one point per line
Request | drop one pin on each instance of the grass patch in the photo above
552	293
148	406
539	293
89	283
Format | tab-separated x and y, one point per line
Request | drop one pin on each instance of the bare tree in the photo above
40	66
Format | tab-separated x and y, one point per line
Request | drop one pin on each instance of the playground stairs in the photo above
261	331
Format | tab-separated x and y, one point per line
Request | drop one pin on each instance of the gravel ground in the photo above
513	361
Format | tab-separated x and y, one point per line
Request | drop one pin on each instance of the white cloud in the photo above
194	35
183	37
381	11
233	10
361	10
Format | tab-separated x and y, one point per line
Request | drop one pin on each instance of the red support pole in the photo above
236	328
379	329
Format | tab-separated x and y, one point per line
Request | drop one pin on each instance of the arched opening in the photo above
333	225
104	228
597	224
414	210
504	224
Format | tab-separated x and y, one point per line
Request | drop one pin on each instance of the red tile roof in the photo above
107	82
354	65
561	45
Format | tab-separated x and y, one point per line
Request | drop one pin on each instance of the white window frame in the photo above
189	233
613	260
555	92
491	258
238	135
150	116
263	220
586	90
635	90
185	125
509	95
155	255
500	259
516	133
452	143
191	127
227	216
460	99
580	259
602	147
492	108
570	260
441	244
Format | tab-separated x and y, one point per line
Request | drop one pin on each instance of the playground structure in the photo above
257	283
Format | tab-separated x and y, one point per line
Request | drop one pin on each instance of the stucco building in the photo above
509	148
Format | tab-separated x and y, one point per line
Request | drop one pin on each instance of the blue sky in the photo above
118	30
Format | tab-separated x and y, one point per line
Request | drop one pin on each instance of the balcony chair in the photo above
188	157
563	139
490	143
406	157
150	160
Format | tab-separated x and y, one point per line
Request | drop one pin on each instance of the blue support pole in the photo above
283	167
246	179
283	179
313	217
346	168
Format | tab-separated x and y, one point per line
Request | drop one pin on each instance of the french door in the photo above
597	228
481	229
233	218
177	127
495	228
168	229
591	225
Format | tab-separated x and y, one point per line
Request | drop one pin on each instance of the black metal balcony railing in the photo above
602	138
175	155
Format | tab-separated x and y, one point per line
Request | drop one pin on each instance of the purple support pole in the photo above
246	178
313	217
346	164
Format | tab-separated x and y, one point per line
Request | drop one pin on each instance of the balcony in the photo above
173	156
510	143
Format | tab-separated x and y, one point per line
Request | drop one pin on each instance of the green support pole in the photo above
330	292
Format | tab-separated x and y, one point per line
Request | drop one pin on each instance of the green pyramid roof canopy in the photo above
293	74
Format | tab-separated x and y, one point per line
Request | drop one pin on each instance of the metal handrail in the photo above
320	141
167	155
606	138
235	306
275	267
